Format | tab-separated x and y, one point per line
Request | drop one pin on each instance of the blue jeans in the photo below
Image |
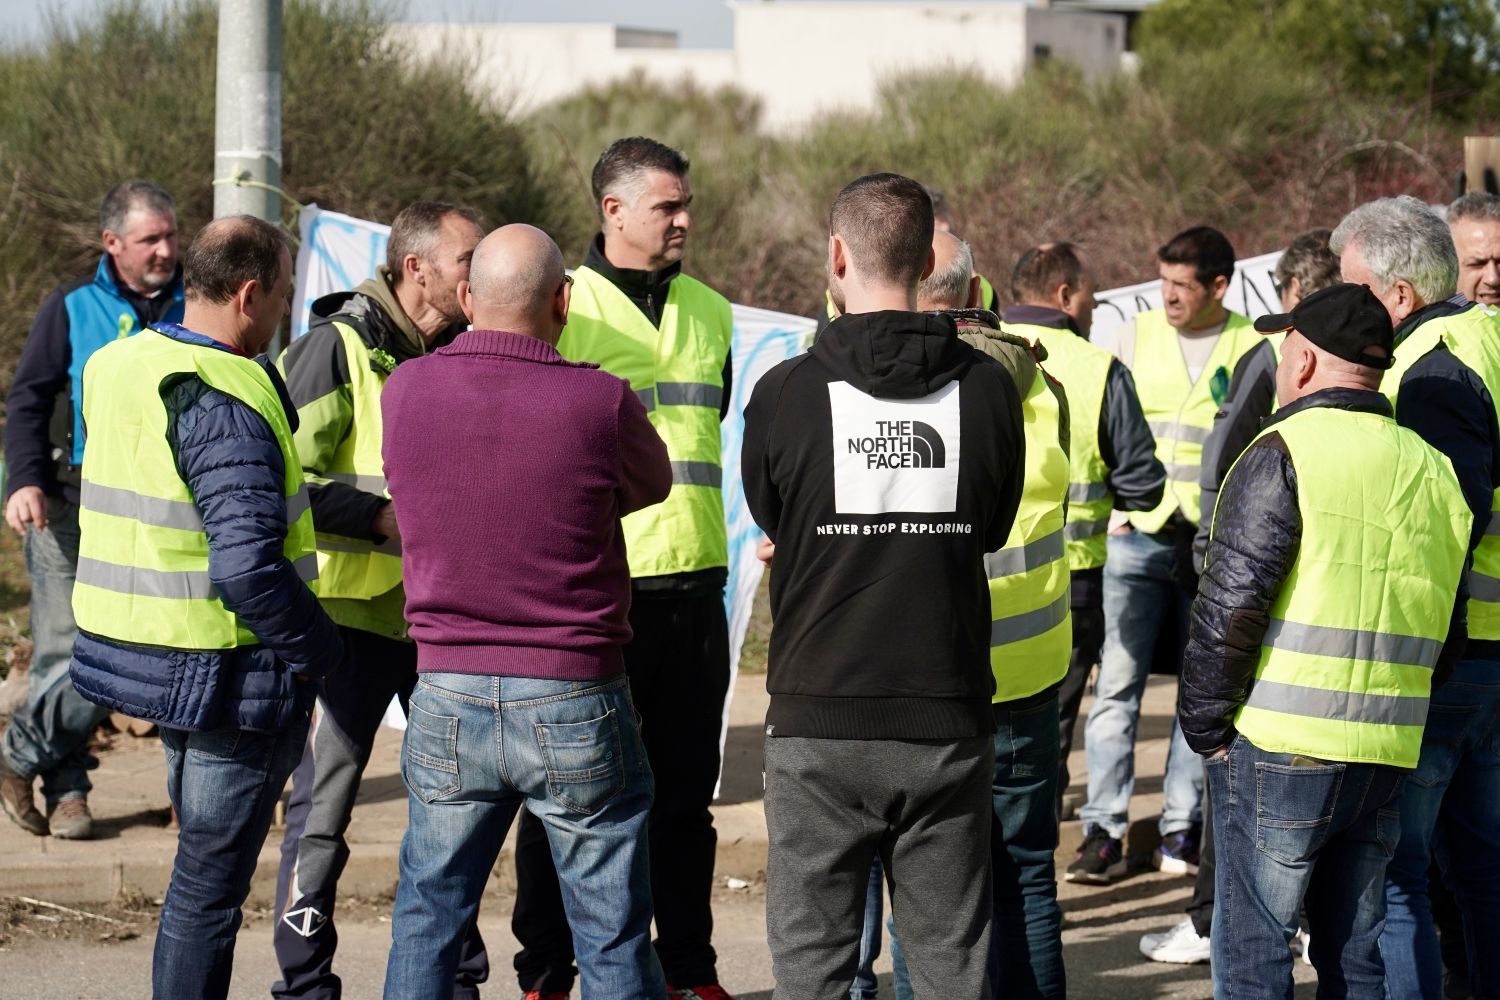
224	784
1289	834
866	984
478	748
1138	587
1450	807
49	736
1026	958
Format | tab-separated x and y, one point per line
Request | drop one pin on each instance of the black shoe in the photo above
1100	860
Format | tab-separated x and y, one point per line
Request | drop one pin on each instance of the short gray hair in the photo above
949	288
1402	239
1475	205
129	195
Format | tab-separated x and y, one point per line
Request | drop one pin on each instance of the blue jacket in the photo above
228	456
44	411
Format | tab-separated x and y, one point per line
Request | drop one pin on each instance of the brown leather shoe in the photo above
15	799
70	819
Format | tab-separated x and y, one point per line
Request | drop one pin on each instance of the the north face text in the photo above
901	444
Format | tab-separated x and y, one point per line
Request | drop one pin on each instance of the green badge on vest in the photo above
126	325
1218	386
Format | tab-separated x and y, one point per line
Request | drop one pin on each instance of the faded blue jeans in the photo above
1290	832
224	784
477	749
1450	808
1138	588
48	738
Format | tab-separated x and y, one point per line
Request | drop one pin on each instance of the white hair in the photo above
949	288
1401	239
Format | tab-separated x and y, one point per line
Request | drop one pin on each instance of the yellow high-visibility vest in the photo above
677	371
358	568
1473	335
1031	628
1083	370
142	552
1180	411
1345	667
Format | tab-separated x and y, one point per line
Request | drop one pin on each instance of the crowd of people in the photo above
491	489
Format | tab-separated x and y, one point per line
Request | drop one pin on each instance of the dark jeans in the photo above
1088	640
224	784
353	701
1290	834
1026	959
48	737
678	665
1200	909
1450	810
922	807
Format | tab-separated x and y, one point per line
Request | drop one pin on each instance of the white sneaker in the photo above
1181	945
1302	945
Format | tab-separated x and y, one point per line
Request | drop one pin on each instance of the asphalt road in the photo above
1102	928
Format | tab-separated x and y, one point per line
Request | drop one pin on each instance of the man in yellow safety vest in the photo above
636	315
1330	596
1181	356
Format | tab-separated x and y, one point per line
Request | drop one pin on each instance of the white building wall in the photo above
800	60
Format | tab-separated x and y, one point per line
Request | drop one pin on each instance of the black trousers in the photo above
678	665
1088	640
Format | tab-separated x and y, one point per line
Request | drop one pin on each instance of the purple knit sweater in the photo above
510	469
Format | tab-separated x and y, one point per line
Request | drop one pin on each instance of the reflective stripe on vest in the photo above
1083	370
1031	630
143	555
677	371
1345	666
353	568
1473	336
1180	411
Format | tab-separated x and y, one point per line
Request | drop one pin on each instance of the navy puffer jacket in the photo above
230	460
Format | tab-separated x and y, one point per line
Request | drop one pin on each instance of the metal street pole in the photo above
247	113
247	131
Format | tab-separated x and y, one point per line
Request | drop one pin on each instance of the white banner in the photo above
1252	292
339	251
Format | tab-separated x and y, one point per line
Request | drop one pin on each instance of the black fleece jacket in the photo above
884	464
1254	544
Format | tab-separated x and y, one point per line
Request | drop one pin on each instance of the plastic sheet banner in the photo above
339	251
1252	292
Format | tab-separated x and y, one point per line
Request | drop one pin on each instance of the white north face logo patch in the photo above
894	455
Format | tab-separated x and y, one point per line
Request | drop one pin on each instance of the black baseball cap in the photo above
1345	320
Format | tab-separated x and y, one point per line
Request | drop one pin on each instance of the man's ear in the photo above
411	269
1406	299
610	207
247	298
466	301
975	294
838	256
931	264
112	243
1219	287
562	303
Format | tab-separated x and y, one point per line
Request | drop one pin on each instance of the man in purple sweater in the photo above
510	469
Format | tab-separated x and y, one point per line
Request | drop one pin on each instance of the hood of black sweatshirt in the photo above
894	355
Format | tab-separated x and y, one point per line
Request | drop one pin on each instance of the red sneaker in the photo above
539	995
712	991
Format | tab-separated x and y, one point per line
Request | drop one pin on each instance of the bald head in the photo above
1306	368
951	284
517	283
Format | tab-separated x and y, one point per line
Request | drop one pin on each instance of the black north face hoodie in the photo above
884	464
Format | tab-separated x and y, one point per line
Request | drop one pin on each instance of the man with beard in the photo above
335	375
137	283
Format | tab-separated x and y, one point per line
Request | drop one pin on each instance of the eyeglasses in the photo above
567	280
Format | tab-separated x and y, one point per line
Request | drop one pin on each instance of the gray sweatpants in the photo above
924	807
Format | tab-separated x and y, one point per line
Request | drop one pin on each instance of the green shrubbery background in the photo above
1261	118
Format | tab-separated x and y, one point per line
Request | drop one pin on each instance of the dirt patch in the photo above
130	915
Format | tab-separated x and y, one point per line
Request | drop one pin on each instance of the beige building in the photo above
799	59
